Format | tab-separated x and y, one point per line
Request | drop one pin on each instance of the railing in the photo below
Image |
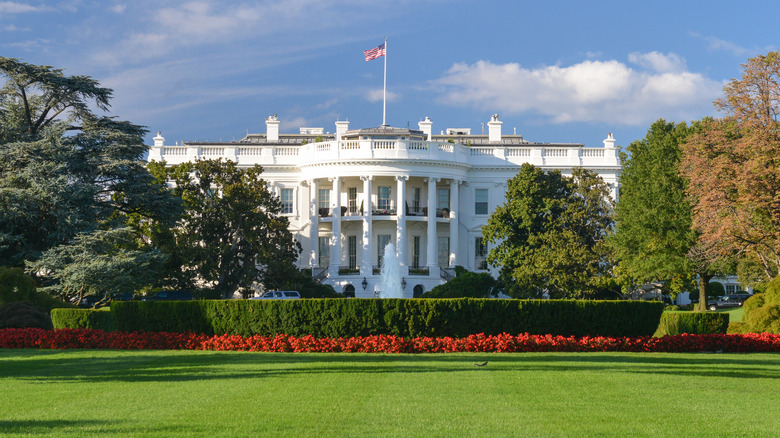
396	149
447	274
319	274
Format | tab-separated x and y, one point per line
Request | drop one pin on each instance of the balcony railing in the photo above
537	154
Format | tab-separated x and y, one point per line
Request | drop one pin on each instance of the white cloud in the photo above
591	91
19	8
118	8
658	61
716	44
376	96
14	28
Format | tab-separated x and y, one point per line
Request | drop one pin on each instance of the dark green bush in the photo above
407	318
83	319
24	315
465	285
698	323
15	285
762	311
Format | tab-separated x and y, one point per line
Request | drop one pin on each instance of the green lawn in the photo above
190	393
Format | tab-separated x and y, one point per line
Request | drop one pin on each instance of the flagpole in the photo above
384	89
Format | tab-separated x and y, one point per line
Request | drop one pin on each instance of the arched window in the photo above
418	291
349	291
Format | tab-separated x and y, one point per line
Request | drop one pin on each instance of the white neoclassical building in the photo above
347	195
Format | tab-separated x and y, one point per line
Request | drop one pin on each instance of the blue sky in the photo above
556	71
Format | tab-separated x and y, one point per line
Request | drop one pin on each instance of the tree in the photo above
232	233
98	263
548	238
734	171
65	171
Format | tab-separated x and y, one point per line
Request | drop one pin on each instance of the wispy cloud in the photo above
376	96
715	44
591	91
20	8
14	28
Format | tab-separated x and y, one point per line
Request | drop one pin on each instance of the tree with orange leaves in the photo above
733	168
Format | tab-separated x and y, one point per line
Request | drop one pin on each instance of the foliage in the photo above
762	311
653	217
432	317
98	264
466	284
302	281
23	315
697	323
548	238
232	234
15	285
82	319
66	171
734	172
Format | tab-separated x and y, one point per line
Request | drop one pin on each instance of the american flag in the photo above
375	53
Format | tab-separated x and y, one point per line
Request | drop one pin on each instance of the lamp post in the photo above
365	283
403	282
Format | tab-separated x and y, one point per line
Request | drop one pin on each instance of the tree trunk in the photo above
704	280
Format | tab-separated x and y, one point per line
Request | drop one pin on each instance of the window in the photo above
416	200
352	199
287	201
416	252
480	201
382	240
352	252
444	252
324	252
480	253
443	199
384	198
324	199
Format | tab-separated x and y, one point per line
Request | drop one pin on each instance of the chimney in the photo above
609	142
159	141
341	129
425	127
494	129
272	128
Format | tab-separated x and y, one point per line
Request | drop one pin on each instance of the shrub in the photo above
82	319
409	318
699	323
762	311
15	285
465	285
24	315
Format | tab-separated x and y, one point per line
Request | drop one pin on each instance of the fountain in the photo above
390	285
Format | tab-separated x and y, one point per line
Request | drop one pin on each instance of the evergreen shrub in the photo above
82	319
698	323
400	317
21	314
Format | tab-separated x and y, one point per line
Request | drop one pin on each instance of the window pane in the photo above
324	198
287	200
384	198
352	251
352	199
324	254
382	240
480	261
480	201
444	252
443	201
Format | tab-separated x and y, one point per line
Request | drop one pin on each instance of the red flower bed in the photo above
503	343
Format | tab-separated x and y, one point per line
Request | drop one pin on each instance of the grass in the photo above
192	393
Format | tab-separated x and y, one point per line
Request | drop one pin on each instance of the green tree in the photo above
65	171
98	263
466	284
548	237
653	217
232	233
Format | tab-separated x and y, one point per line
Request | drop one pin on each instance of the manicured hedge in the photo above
696	323
82	319
337	318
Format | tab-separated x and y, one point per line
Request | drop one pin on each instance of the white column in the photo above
454	184
433	260
335	257
365	266
400	231
314	232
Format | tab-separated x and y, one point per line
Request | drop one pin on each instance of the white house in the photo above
347	195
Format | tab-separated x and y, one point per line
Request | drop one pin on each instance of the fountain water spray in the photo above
390	285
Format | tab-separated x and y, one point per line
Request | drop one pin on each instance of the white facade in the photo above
349	194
